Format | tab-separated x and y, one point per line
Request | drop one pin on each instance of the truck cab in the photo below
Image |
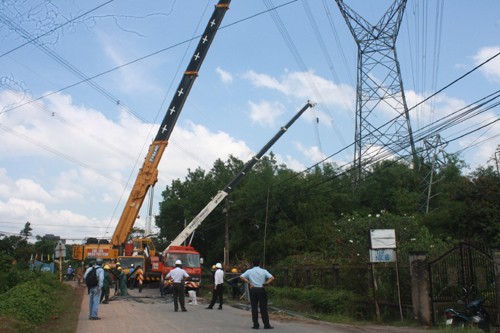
191	263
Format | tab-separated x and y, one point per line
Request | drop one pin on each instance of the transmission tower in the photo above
379	92
432	160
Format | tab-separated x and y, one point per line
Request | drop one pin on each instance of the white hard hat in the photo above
178	262
218	265
131	265
69	266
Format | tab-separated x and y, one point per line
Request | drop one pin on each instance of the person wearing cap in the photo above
218	287
122	277
132	276
95	292
69	273
108	282
235	280
258	279
178	276
116	274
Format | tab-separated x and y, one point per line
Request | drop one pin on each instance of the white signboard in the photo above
383	255
61	246
383	238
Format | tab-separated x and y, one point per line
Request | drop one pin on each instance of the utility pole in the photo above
496	160
265	231
226	246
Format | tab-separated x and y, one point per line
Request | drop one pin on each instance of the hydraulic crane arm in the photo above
148	174
195	223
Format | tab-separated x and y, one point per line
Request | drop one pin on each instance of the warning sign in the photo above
97	253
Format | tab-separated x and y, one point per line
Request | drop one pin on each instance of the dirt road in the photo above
148	312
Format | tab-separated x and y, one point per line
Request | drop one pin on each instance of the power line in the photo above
56	28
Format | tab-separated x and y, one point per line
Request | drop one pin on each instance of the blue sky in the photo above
66	159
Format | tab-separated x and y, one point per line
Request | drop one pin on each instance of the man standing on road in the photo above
122	278
132	276
178	277
95	287
108	282
218	287
256	278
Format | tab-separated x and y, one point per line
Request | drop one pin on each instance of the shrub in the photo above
31	300
339	302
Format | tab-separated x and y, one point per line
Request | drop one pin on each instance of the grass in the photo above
63	320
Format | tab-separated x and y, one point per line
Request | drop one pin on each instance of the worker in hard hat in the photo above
108	282
122	277
116	274
218	287
214	269
235	281
131	276
178	276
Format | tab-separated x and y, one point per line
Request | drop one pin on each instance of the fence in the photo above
357	279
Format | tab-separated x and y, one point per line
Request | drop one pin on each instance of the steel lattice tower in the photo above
379	92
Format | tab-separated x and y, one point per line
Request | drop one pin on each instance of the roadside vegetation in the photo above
34	301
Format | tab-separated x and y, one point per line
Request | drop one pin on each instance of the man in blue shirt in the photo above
95	292
258	279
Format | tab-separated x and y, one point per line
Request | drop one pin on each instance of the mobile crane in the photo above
118	248
187	254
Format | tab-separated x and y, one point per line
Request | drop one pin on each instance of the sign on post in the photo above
383	238
62	247
382	255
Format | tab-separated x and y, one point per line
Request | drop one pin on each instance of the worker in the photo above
214	269
122	278
167	288
131	276
116	274
108	282
94	276
178	276
256	278
235	280
218	287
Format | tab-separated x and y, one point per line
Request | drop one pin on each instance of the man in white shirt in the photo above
178	277
218	287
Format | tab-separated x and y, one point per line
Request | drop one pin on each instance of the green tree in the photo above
26	231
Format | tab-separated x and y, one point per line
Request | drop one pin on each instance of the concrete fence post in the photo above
420	287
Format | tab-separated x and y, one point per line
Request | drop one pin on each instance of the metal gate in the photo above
460	276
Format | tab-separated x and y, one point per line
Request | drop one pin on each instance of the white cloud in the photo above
299	86
491	69
266	112
225	77
290	162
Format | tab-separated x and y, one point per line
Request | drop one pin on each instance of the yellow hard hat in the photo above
234	270
118	264
213	267
119	268
106	267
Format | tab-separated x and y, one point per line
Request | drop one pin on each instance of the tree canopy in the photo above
321	213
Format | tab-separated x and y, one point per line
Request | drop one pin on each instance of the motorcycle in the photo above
473	315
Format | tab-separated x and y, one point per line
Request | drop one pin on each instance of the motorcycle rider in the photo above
69	273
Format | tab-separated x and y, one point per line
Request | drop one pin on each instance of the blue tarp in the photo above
43	267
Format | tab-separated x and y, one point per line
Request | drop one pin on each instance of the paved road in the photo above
156	314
